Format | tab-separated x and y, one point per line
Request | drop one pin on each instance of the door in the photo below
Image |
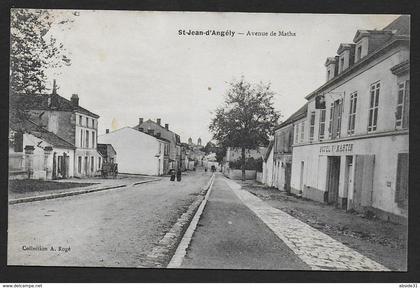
302	168
333	178
363	181
86	165
348	194
287	174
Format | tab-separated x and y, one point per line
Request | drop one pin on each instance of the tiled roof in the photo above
27	126
300	113
41	102
401	25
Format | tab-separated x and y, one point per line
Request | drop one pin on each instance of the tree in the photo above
33	50
246	119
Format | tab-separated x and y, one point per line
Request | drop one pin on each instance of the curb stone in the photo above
73	193
162	253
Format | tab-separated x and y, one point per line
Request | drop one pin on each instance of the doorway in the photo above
302	169
333	179
287	177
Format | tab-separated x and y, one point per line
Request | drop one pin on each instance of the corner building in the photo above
355	142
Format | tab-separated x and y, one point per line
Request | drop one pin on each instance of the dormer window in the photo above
331	66
358	53
346	54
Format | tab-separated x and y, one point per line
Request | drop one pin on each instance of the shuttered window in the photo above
321	133
312	126
401	187
373	106
402	109
352	113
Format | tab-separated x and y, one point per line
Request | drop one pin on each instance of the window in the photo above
401	113
373	106
312	126
87	122
401	186
352	113
359	53
92	162
302	131
80	120
87	139
99	163
81	138
79	166
296	133
335	119
321	124
330	122
93	123
93	139
341	64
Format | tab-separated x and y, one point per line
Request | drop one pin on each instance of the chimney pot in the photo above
158	121
167	126
74	99
140	121
107	131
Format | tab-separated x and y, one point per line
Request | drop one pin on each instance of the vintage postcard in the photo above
211	140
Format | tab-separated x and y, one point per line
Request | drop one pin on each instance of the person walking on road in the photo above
178	175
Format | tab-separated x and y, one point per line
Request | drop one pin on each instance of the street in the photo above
114	228
125	227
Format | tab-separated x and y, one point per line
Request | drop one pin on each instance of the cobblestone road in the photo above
315	248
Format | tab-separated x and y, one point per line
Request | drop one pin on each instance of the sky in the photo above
132	64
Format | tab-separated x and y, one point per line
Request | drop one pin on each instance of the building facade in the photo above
69	121
138	152
173	159
36	153
352	147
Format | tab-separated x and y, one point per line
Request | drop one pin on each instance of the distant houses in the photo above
348	146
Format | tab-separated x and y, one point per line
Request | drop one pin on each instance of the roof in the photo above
103	149
42	102
401	25
299	114
27	126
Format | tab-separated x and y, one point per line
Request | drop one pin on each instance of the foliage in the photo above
250	164
33	49
246	119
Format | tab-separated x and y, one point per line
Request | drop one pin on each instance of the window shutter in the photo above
401	187
406	105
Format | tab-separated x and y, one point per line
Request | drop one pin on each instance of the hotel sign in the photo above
336	149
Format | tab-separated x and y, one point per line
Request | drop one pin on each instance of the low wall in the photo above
259	177
236	174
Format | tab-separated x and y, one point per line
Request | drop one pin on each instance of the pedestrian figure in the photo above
178	175
172	173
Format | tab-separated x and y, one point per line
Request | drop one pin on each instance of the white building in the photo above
354	152
268	166
36	153
138	152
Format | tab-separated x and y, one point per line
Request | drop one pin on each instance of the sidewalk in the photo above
99	184
231	236
315	248
381	241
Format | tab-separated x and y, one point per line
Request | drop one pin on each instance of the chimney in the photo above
74	100
140	121
54	89
167	126
106	131
158	121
